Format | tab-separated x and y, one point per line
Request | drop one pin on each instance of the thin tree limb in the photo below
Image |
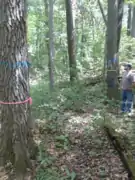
102	12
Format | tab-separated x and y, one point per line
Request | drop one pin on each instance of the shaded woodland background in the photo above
94	41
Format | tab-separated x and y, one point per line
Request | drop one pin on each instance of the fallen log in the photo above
122	151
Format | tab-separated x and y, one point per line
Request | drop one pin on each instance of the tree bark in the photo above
16	131
51	45
74	6
129	20
119	26
50	40
133	23
71	40
112	64
83	39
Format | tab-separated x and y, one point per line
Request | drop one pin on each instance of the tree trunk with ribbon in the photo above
16	143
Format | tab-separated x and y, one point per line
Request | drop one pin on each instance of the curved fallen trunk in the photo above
122	150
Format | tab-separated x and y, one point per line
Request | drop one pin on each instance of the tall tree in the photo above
129	20
51	44
119	26
49	10
112	64
74	7
16	138
38	12
71	40
133	23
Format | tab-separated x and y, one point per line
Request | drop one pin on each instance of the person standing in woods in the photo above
127	84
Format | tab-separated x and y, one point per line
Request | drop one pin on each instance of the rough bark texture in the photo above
16	136
71	40
112	66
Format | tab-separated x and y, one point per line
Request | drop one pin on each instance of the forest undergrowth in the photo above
72	143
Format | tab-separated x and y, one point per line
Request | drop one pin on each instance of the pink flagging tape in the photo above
29	100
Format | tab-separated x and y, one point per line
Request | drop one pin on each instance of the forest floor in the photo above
72	143
80	150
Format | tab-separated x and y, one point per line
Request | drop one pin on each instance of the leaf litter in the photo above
81	151
88	155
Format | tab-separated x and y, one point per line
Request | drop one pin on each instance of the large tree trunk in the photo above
71	40
16	136
112	63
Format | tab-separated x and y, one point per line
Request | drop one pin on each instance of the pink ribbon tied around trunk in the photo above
29	101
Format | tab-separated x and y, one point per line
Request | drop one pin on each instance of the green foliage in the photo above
45	170
91	27
127	48
130	1
48	174
70	175
62	141
76	98
44	158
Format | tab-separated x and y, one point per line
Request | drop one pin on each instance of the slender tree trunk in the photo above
83	39
129	20
120	17
129	26
71	40
50	39
16	137
133	23
102	12
74	6
38	10
47	23
51	45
